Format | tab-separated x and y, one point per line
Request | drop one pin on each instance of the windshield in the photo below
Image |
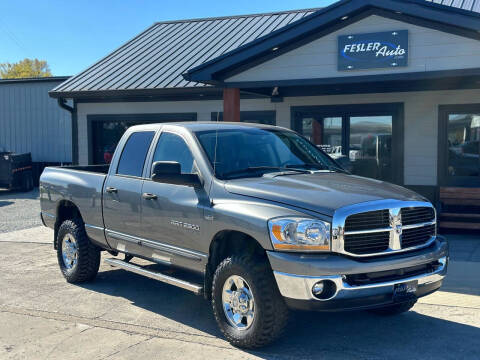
250	152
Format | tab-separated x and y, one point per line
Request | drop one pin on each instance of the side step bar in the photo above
195	288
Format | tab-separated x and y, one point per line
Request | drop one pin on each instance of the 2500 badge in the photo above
185	225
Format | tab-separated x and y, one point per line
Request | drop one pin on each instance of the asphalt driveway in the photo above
125	316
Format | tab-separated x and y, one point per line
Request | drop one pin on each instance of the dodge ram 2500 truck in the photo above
254	217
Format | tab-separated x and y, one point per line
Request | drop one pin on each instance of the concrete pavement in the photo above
125	316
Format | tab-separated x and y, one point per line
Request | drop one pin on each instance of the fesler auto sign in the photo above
373	50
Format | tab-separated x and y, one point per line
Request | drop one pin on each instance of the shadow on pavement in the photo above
15	195
356	335
6	203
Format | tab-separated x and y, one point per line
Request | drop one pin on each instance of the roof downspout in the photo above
62	102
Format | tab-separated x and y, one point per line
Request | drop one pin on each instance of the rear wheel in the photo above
394	309
246	302
78	258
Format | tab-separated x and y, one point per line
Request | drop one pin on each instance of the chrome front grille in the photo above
417	215
368	220
383	227
367	243
417	236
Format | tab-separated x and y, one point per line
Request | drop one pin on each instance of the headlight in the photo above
299	234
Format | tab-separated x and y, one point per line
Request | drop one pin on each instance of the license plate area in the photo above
405	290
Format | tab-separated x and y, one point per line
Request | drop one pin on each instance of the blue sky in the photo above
73	34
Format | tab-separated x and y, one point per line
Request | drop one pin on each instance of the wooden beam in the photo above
231	104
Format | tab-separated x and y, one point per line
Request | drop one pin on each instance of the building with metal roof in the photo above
391	85
157	58
32	122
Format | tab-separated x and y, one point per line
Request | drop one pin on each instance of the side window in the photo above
134	153
171	147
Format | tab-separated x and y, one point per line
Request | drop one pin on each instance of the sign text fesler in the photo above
373	50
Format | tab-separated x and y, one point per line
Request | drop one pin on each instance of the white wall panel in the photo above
429	50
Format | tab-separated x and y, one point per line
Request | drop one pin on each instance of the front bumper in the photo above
297	273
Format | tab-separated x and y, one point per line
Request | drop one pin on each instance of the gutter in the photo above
62	102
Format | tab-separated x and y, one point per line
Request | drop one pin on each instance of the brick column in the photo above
231	104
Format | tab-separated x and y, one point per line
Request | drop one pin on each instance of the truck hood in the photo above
320	192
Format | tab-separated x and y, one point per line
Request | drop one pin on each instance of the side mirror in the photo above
170	172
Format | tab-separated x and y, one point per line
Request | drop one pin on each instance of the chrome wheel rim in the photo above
238	302
69	251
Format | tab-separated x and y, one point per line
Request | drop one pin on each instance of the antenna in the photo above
216	144
214	159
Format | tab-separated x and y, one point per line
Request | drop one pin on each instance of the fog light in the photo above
324	290
318	288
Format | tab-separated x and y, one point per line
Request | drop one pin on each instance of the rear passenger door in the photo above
122	193
172	216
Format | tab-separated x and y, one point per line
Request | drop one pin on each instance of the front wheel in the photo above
246	302
78	258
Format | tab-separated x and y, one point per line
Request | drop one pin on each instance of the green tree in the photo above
26	68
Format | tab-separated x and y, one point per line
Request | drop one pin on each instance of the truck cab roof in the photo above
195	126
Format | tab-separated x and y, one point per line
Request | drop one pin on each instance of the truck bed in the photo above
80	185
100	169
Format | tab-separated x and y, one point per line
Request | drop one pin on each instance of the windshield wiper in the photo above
254	169
318	167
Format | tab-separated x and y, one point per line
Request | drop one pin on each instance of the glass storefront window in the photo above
107	130
463	145
371	146
105	137
363	138
326	133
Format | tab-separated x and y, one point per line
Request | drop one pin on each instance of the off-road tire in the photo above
89	255
271	313
395	309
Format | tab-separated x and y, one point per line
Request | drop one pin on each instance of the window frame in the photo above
136	119
154	150
147	171
124	144
443	179
395	109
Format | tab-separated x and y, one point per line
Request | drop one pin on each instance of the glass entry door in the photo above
325	132
459	145
370	146
368	137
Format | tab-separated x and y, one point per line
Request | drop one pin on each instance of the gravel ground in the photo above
19	210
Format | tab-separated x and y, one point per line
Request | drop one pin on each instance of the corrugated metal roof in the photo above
157	57
470	5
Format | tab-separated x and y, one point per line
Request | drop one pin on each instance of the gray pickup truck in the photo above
255	218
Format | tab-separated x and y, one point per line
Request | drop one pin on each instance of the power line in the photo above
12	36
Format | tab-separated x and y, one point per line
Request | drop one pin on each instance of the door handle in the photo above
111	190
148	196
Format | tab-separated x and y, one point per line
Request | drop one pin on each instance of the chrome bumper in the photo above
299	287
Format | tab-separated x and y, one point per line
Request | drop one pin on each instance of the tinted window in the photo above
134	153
172	147
464	145
242	151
